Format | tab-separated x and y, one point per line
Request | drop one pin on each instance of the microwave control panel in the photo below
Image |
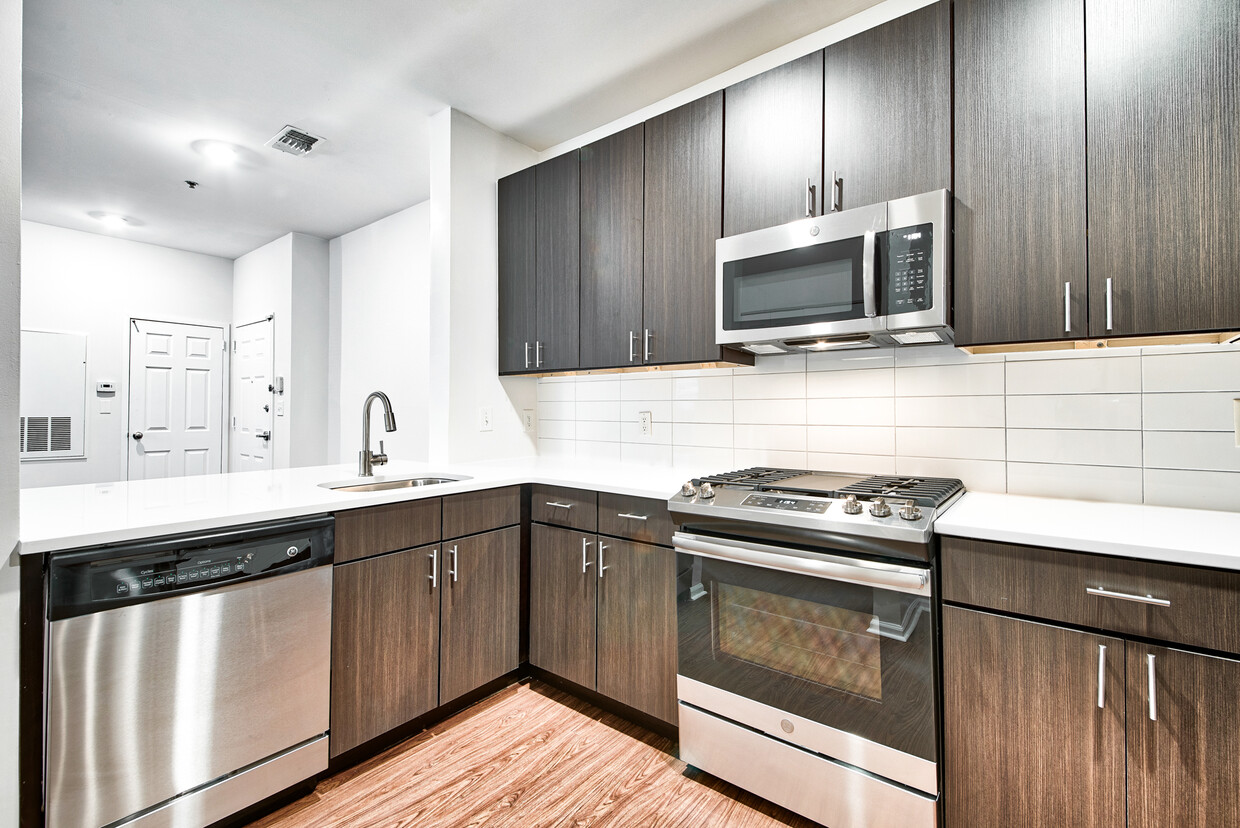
909	276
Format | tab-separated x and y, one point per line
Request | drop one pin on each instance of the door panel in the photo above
557	251
517	267
252	399
1025	742
562	603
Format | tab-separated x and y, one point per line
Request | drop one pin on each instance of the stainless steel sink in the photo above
381	484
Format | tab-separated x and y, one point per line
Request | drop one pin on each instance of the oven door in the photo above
834	654
811	278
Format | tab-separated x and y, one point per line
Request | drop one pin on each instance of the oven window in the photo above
831	646
819	283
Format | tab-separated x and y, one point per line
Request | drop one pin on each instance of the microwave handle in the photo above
869	279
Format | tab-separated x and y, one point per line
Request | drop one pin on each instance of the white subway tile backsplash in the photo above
646	454
607	452
1108	483
852	440
657	388
702	388
703	460
1074	447
1214	371
875	411
941	355
1200	450
747	458
775	437
1193	489
768	386
557	429
712	435
596	431
557	410
1095	375
774	364
660	433
978	475
599	410
1085	411
770	412
965	379
853	463
702	411
962	443
951	412
660	410
556	448
1189	411
605	390
864	382
549	391
849	360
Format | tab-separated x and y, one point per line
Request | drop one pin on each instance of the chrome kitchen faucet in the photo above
366	461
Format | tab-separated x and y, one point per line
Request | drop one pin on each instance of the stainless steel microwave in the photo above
862	278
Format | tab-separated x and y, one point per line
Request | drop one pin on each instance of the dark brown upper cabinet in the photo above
683	220
887	110
557	244
772	139
1020	243
612	182
1164	171
517	296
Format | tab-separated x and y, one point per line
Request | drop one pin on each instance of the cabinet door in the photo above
684	216
612	181
1182	766
887	109
1164	172
562	602
637	626
772	138
1026	742
480	611
557	246
1020	171
385	644
517	295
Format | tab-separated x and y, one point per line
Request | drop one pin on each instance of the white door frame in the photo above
229	413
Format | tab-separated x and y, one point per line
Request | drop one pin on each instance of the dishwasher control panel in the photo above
124	578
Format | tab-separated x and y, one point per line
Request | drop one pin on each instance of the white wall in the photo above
10	296
262	287
93	284
467	159
381	274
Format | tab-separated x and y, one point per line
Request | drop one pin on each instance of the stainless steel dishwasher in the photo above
188	678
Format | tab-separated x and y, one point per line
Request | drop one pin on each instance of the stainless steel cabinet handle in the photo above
646	346
1110	319
527	355
1124	596
601	568
1149	664
632	516
1102	675
632	345
809	198
869	291
586	543
556	505
434	576
837	192
537	354
1067	307
452	569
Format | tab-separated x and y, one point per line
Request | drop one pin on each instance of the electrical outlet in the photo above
484	418
527	420
644	423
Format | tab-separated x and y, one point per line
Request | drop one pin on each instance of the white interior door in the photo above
176	399
252	397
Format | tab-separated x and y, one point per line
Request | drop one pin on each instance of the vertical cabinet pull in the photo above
646	346
434	576
1067	307
632	346
809	198
527	355
1110	317
586	543
452	567
537	353
1149	666
1102	675
601	568
837	192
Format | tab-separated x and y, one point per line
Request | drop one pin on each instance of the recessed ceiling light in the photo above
218	152
114	220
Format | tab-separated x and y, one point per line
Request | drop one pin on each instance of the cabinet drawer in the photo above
361	533
474	512
573	508
1180	604
639	518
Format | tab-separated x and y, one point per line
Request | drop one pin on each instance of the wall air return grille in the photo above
294	141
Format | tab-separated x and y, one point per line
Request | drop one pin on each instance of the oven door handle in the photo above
865	573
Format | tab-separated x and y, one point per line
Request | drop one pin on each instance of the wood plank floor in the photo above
529	756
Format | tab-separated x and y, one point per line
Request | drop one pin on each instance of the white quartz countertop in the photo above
1159	533
71	517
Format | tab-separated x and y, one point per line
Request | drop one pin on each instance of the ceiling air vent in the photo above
294	141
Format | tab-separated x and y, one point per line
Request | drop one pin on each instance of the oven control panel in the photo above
786	504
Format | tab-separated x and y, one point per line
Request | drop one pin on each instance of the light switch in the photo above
484	418
280	408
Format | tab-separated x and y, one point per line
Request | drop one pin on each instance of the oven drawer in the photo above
637	518
560	506
1181	604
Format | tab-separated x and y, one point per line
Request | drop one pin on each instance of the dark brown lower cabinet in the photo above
1184	749
385	641
637	626
480	611
1026	741
562	602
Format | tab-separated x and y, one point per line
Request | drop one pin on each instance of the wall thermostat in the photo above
105	388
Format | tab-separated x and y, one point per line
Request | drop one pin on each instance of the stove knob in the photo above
851	505
688	489
879	508
910	511
706	491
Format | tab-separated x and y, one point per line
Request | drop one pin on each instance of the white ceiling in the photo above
116	91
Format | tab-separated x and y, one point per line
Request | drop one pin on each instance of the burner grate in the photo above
757	476
925	491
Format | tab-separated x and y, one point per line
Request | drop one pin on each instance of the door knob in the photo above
266	435
137	435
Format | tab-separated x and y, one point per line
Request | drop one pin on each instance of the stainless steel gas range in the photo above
808	643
